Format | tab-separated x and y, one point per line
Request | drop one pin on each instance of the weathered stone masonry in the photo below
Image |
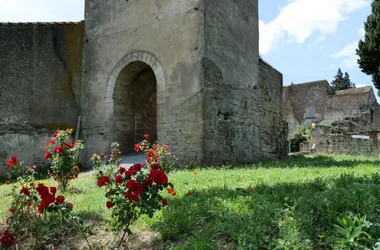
40	80
186	72
211	107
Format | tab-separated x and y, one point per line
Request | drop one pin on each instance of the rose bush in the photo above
38	216
132	192
63	156
157	154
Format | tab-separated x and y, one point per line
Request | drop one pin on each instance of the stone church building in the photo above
186	72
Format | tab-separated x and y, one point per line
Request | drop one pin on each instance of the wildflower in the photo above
146	136
169	190
189	193
195	173
7	182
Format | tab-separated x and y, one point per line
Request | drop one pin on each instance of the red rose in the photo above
12	210
30	203
146	136
7	182
164	202
58	150
154	166
148	182
150	153
47	200
70	205
11	162
118	179
101	156
55	133
60	199
25	191
109	204
42	190
53	190
70	144
47	156
104	180
137	166
50	142
122	170
135	189
7	239
137	147
40	208
158	176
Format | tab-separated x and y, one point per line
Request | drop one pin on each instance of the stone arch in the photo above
141	56
134	92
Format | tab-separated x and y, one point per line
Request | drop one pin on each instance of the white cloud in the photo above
41	10
300	18
361	32
348	55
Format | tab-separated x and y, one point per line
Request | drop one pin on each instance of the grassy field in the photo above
292	205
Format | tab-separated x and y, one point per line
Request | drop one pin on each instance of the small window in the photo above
310	112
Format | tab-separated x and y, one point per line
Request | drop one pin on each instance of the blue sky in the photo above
305	39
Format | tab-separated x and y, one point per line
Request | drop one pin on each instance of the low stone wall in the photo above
345	143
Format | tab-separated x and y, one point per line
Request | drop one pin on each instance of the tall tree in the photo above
369	50
347	81
341	81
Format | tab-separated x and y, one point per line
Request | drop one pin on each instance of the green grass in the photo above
292	206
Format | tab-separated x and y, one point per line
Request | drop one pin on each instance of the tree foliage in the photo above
341	81
301	134
369	50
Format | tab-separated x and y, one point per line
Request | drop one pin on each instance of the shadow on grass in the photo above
293	215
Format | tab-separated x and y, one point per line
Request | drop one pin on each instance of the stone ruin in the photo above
186	72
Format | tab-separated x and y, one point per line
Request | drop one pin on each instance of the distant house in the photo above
316	102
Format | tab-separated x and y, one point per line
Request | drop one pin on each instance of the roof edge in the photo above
39	23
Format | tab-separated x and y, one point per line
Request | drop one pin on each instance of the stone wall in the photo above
167	36
341	106
274	128
327	142
242	99
40	82
211	106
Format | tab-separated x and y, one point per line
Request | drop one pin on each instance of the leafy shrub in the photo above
157	154
301	134
38	216
63	156
132	192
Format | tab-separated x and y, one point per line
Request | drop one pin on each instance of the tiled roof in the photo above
354	91
38	23
309	83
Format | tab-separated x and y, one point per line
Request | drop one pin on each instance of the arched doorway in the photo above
135	105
